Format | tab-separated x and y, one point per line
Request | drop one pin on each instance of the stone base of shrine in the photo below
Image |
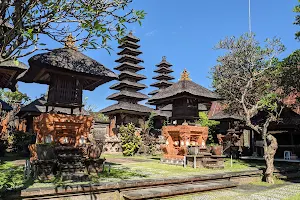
172	161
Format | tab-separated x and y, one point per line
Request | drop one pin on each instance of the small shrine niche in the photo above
65	91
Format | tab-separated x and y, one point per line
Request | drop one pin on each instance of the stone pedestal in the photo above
179	137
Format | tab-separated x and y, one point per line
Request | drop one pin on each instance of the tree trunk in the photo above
270	147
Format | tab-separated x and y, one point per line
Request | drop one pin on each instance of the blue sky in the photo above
186	32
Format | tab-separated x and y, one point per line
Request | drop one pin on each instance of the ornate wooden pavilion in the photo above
128	109
186	98
67	72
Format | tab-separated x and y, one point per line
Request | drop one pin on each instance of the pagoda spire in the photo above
163	78
128	87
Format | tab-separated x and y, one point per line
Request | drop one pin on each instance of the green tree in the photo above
291	72
25	24
248	78
297	20
13	97
211	124
131	142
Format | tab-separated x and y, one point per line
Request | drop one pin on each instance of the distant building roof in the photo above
127	108
181	87
5	106
38	106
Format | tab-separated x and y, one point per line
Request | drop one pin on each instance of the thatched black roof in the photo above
163	77
131	66
126	57
125	107
184	87
153	92
127	94
130	51
15	65
5	106
163	70
164	62
129	44
126	83
38	106
125	74
69	62
131	37
161	83
9	71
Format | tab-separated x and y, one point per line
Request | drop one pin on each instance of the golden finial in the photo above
130	33
185	76
70	42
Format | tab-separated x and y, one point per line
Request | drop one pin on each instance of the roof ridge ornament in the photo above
185	76
70	42
164	58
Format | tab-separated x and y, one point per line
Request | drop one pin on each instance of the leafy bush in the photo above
130	141
19	141
211	124
11	176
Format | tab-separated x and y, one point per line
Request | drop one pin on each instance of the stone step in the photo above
171	190
213	166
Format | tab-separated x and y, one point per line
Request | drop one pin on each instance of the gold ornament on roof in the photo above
185	76
70	42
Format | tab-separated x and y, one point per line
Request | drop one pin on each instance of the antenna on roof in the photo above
249	16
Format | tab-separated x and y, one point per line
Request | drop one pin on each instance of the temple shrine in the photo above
128	109
186	98
67	72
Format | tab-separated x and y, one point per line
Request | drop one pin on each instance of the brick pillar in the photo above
112	126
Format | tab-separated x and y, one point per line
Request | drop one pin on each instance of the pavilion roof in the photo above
126	57
131	37
130	51
164	62
67	61
136	76
5	106
153	92
39	106
162	83
129	44
10	70
163	77
163	69
125	65
127	107
127	94
181	87
126	83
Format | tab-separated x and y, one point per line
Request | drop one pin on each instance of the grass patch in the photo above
262	183
11	176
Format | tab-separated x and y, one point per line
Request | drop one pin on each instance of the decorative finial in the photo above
70	42
130	33
164	58
185	76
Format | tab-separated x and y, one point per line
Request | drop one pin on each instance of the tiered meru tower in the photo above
128	109
163	78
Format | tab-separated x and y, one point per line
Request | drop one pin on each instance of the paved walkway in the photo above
250	192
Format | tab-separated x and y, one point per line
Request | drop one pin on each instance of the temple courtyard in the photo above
118	168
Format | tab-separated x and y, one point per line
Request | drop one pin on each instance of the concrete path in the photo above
248	192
